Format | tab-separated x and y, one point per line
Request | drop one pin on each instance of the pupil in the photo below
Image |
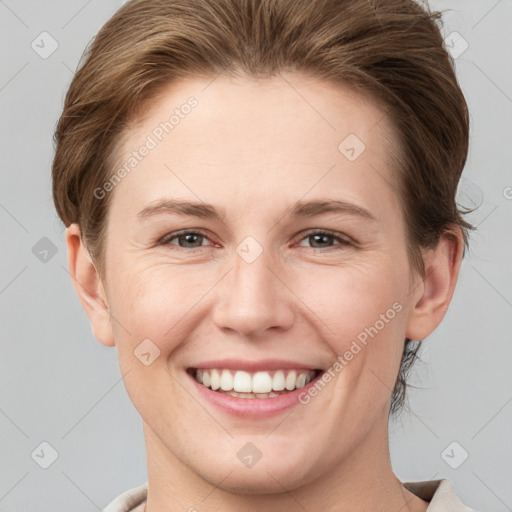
318	237
189	237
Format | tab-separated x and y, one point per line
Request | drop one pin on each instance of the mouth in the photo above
253	385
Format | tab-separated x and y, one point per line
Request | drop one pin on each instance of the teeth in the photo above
242	382
251	395
261	384
215	379
291	380
226	380
278	382
301	381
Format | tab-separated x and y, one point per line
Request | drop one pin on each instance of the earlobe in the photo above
88	286
431	298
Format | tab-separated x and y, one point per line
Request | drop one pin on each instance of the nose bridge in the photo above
252	278
252	298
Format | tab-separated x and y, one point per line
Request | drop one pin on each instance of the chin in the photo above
268	478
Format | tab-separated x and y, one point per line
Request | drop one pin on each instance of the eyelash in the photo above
336	236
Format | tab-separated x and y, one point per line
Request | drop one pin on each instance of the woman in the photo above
260	206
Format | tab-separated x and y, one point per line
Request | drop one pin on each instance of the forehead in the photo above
249	139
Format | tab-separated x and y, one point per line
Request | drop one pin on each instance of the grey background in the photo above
60	386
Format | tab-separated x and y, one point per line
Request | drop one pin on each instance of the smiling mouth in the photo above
260	384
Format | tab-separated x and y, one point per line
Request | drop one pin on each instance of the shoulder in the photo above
440	493
131	500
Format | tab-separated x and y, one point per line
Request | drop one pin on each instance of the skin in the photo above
251	149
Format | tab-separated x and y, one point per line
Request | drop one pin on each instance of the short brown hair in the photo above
391	49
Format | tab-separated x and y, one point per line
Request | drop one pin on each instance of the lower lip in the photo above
252	407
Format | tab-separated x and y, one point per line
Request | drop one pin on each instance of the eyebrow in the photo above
304	209
180	207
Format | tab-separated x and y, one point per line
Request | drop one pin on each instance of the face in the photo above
292	257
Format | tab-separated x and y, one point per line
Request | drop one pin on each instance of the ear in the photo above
88	286
432	295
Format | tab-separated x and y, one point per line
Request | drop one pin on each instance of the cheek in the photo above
361	309
156	308
352	298
157	301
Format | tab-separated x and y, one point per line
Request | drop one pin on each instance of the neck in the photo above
362	480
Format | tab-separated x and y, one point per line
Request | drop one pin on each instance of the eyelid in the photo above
340	237
170	236
344	239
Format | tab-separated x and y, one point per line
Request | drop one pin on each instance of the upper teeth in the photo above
258	382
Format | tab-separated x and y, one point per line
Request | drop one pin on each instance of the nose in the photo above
253	299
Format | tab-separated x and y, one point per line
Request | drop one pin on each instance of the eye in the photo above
187	239
323	238
193	239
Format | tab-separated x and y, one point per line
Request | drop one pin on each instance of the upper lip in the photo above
251	365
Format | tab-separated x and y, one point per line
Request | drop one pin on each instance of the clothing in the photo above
439	493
